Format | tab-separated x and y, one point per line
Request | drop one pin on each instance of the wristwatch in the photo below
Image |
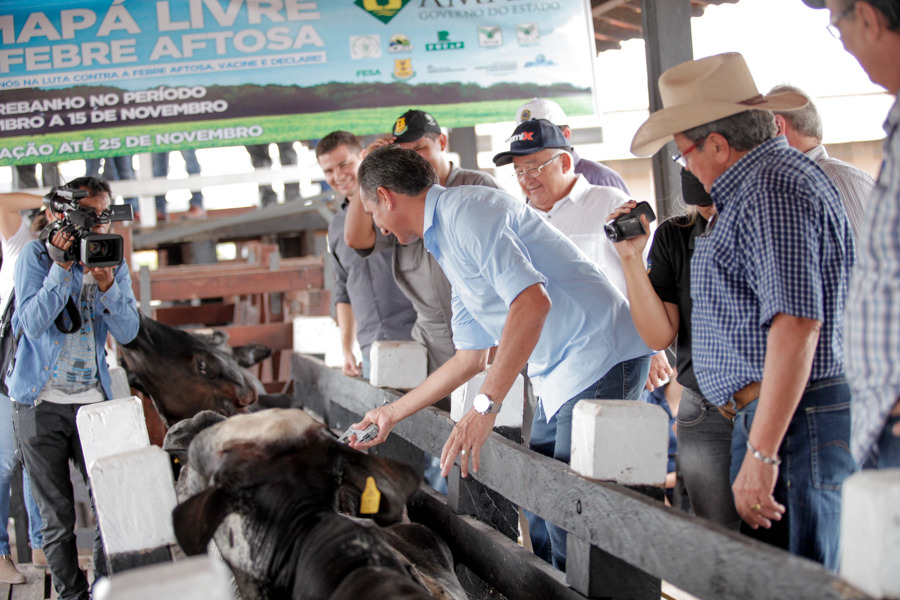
485	406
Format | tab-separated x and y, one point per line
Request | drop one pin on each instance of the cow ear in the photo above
395	481
195	521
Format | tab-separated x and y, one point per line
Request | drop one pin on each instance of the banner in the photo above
85	79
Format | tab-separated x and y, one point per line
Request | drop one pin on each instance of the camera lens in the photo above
97	248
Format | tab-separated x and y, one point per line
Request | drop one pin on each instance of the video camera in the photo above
629	225
92	249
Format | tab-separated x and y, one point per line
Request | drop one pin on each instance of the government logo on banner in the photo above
383	10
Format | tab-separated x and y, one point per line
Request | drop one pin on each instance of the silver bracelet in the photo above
762	457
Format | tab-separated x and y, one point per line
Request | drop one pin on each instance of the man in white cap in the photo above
870	31
595	173
768	283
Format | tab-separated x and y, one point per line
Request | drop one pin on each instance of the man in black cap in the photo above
417	274
544	167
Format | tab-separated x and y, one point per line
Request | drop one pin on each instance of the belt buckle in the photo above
729	409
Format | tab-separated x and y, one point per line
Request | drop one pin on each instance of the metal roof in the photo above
618	20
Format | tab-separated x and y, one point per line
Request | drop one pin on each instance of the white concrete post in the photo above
111	427
870	532
134	494
397	365
195	578
620	440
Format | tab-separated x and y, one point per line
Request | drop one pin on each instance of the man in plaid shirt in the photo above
768	283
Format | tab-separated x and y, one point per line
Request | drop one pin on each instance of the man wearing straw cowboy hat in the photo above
768	283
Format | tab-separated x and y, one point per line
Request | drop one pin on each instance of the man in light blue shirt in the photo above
517	282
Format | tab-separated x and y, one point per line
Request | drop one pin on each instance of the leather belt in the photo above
740	399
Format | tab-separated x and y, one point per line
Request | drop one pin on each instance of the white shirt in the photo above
581	216
12	247
853	184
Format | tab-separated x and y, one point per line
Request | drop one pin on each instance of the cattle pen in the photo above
625	542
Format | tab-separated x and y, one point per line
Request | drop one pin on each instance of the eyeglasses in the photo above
534	171
681	160
835	19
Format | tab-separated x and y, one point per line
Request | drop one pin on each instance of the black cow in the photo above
185	373
265	486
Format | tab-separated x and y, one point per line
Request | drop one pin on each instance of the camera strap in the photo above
74	317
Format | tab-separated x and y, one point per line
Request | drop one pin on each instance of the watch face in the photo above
481	403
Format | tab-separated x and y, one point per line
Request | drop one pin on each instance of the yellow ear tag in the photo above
371	498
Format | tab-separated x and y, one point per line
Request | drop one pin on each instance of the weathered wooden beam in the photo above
212	286
612	31
604	45
207	314
625	16
311	213
711	562
277	336
601	7
235	267
512	570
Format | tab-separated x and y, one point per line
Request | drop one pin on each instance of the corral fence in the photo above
622	542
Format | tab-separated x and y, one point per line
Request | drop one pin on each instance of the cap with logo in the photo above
530	137
412	125
541	108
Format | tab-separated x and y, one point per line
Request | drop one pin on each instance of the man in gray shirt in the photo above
368	304
416	272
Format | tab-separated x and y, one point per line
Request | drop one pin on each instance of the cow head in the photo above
185	374
262	482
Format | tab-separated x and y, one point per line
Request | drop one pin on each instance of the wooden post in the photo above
667	34
605	446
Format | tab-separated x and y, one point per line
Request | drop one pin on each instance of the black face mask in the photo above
692	190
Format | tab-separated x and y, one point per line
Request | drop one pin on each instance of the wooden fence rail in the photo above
694	555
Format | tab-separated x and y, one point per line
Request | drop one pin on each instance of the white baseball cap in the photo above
541	108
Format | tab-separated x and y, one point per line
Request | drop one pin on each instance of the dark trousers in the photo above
48	439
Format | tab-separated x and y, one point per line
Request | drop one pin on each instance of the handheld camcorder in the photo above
629	225
92	249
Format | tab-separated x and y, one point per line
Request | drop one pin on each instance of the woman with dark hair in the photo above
660	299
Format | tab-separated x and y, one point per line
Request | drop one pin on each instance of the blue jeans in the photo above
8	463
704	457
889	445
554	438
815	460
160	163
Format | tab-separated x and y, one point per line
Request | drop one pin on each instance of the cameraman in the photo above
57	372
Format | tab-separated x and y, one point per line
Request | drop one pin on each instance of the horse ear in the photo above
251	354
